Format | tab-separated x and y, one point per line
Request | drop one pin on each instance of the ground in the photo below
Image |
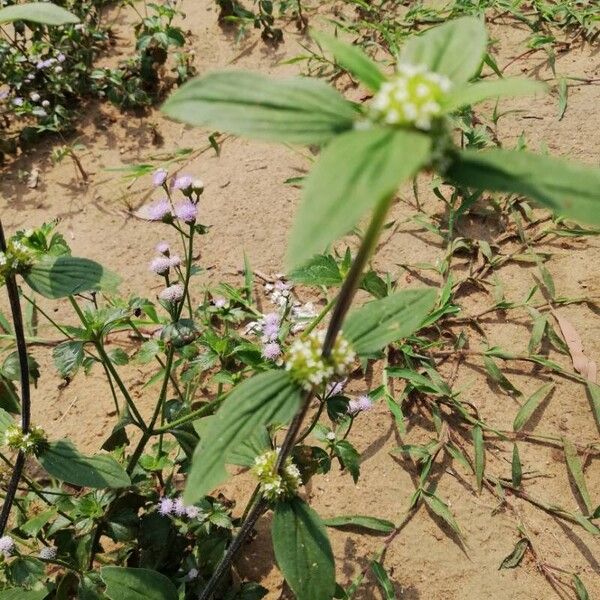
249	208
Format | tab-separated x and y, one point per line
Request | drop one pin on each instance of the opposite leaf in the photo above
454	49
352	175
137	584
263	399
303	551
302	111
381	322
45	13
568	189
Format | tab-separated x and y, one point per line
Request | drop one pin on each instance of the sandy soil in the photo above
250	208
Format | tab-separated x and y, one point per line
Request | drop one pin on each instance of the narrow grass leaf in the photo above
299	110
594	396
440	508
352	59
496	375
383	579
479	447
516	468
303	551
582	593
563	97
266	398
567	189
353	174
576	471
529	406
516	556
360	522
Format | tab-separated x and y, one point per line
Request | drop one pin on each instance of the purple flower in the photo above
183	183
160	265
192	574
220	302
270	331
192	512
359	404
165	506
7	545
174	261
48	553
159	210
3	95
159	177
18	101
179	507
186	211
271	351
173	293
335	389
61	58
272	318
162	247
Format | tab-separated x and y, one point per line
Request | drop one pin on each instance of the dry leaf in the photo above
581	363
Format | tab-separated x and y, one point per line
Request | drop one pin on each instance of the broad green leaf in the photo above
516	468
576	471
137	584
580	590
62	276
381	322
34	525
5	421
303	551
349	456
361	522
266	398
529	406
352	59
23	594
568	189
321	269
9	398
68	357
440	508
387	587
483	90
454	49
300	110
244	454
516	556
45	13
353	174
479	446
62	460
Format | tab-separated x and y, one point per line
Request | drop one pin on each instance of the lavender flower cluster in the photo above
176	508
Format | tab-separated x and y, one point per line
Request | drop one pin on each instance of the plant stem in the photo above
17	317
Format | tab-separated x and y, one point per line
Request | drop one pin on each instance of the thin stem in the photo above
17	317
188	274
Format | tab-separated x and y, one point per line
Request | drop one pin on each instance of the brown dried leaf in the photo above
581	363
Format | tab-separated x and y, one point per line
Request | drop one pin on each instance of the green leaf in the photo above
300	110
454	49
483	90
582	593
68	357
529	406
353	174
9	399
576	471
563	97
361	522
321	269
349	457
303	551
62	460
34	525
440	508
137	584
23	594
62	276
381	322
516	556
244	454
384	581
479	455
45	13
593	390
496	375
266	398
352	59
566	188
516	468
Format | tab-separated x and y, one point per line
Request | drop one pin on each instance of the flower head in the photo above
335	389
45	103
174	293
179	507
61	58
159	177
174	261
198	186
34	96
48	553
183	183
18	101
30	443
271	351
186	211
159	210
192	574
7	545
160	265
165	506
306	363
219	302
413	97
192	512
273	485
360	404
162	248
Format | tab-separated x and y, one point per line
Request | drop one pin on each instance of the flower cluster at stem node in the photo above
308	366
414	97
32	442
276	486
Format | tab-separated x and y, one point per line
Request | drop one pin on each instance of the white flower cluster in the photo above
306	363
275	486
413	97
17	257
29	443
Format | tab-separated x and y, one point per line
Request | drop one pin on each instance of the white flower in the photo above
7	545
48	553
